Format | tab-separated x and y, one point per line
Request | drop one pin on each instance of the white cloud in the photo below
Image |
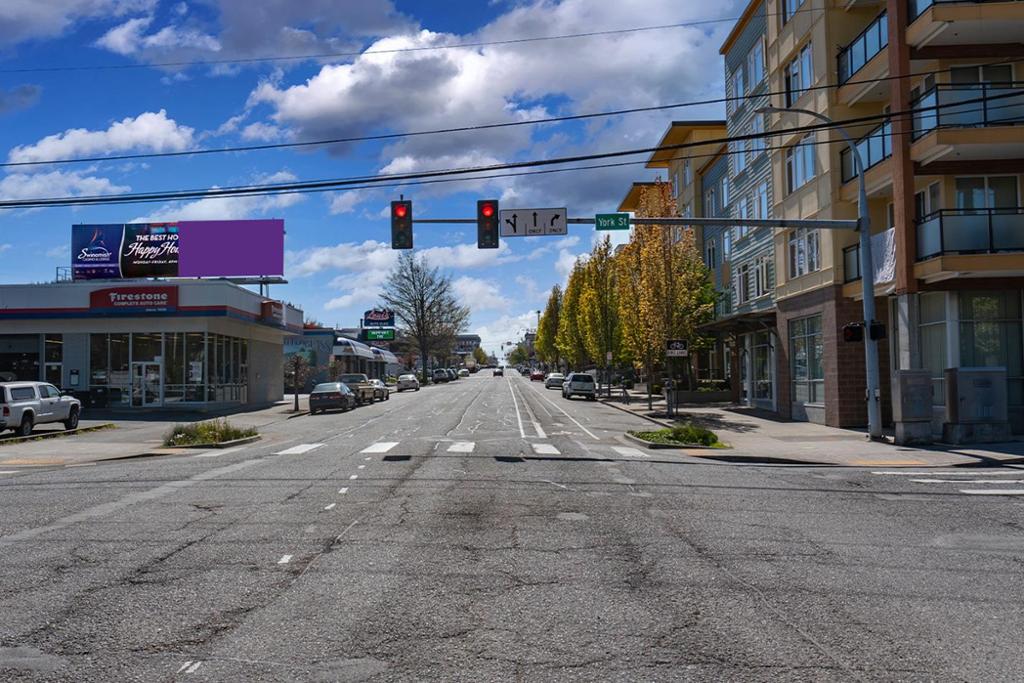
367	257
528	290
507	328
264	132
480	295
56	184
126	38
227	208
346	202
5	247
565	262
28	19
466	256
151	131
60	251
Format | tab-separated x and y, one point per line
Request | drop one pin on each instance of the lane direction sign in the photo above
523	222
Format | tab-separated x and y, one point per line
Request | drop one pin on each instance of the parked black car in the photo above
331	396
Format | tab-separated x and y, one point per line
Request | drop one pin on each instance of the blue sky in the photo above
337	245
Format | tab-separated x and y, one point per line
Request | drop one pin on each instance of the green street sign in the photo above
611	221
380	335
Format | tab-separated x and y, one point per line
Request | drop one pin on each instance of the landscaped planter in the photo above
222	444
660	446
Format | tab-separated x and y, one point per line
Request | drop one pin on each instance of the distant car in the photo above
579	384
554	380
464	372
331	396
407	382
360	386
380	390
499	371
452	375
536	375
439	375
26	404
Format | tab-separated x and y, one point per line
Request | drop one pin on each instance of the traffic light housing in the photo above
401	224
853	332
487	224
876	331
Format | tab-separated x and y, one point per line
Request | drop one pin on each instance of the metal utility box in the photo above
912	406
976	405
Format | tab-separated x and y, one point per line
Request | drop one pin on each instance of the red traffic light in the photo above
400	209
487	210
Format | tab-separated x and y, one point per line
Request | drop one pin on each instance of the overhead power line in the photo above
363	182
385	51
459	129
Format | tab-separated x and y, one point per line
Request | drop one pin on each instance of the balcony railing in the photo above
970	231
969	105
918	7
869	43
874	148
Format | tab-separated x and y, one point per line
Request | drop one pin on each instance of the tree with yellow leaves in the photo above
599	310
569	339
547	328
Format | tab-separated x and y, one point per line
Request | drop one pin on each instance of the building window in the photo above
790	8
761	277
990	336
932	331
755	65
743	214
687	178
806	350
799	75
986	192
739	87
803	252
761	200
675	185
726	244
739	155
763	365
709	202
758	144
800	163
743	284
725	192
710	254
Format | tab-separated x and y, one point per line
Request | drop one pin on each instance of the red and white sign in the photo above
272	312
135	299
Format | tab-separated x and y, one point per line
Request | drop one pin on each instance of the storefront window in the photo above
19	357
807	349
174	367
54	348
990	336
195	354
932	325
146	347
763	366
120	377
99	359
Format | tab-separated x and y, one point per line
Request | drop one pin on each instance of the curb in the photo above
636	414
58	434
223	444
665	446
298	414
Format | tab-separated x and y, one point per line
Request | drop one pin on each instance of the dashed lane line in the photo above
354	476
993	492
330	507
560	409
343	490
285	559
380	447
300	449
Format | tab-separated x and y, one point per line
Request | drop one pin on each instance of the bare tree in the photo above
297	371
425	305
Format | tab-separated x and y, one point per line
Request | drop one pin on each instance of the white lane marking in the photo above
968	481
993	492
533	419
330	507
361	467
367	458
592	435
629	452
343	490
462	447
354	476
217	454
959	473
82	464
285	559
13	471
561	486
300	449
545	449
380	447
192	669
519	417
184	666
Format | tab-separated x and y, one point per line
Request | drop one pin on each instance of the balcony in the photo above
937	23
970	231
869	43
883	259
874	148
968	122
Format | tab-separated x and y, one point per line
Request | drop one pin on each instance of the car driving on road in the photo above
380	390
331	396
536	375
579	384
26	404
554	380
407	382
499	371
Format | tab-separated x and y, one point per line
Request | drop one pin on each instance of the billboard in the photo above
379	317
185	249
134	300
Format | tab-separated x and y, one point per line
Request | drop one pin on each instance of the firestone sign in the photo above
134	300
379	317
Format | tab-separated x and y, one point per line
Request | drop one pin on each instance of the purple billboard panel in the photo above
231	248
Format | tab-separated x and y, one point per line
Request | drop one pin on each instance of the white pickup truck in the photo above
26	404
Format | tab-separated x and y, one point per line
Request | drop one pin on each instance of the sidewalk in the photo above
757	436
135	435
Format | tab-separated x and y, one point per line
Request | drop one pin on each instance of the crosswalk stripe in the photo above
629	452
300	449
545	449
462	447
380	447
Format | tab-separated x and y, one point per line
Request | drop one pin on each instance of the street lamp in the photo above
867	271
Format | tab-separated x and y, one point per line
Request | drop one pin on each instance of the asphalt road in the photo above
489	530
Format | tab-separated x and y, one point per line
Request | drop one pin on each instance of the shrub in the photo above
689	433
211	431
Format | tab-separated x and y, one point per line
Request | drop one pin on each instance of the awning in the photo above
350	347
753	321
385	355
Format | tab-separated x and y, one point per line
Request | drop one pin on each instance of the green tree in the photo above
518	355
569	339
425	305
599	310
547	328
480	356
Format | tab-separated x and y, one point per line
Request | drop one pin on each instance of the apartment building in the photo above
934	87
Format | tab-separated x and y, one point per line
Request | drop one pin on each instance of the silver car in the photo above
26	404
579	384
407	382
554	380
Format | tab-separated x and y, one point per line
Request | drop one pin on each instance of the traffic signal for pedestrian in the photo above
876	331
853	332
487	224
401	224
